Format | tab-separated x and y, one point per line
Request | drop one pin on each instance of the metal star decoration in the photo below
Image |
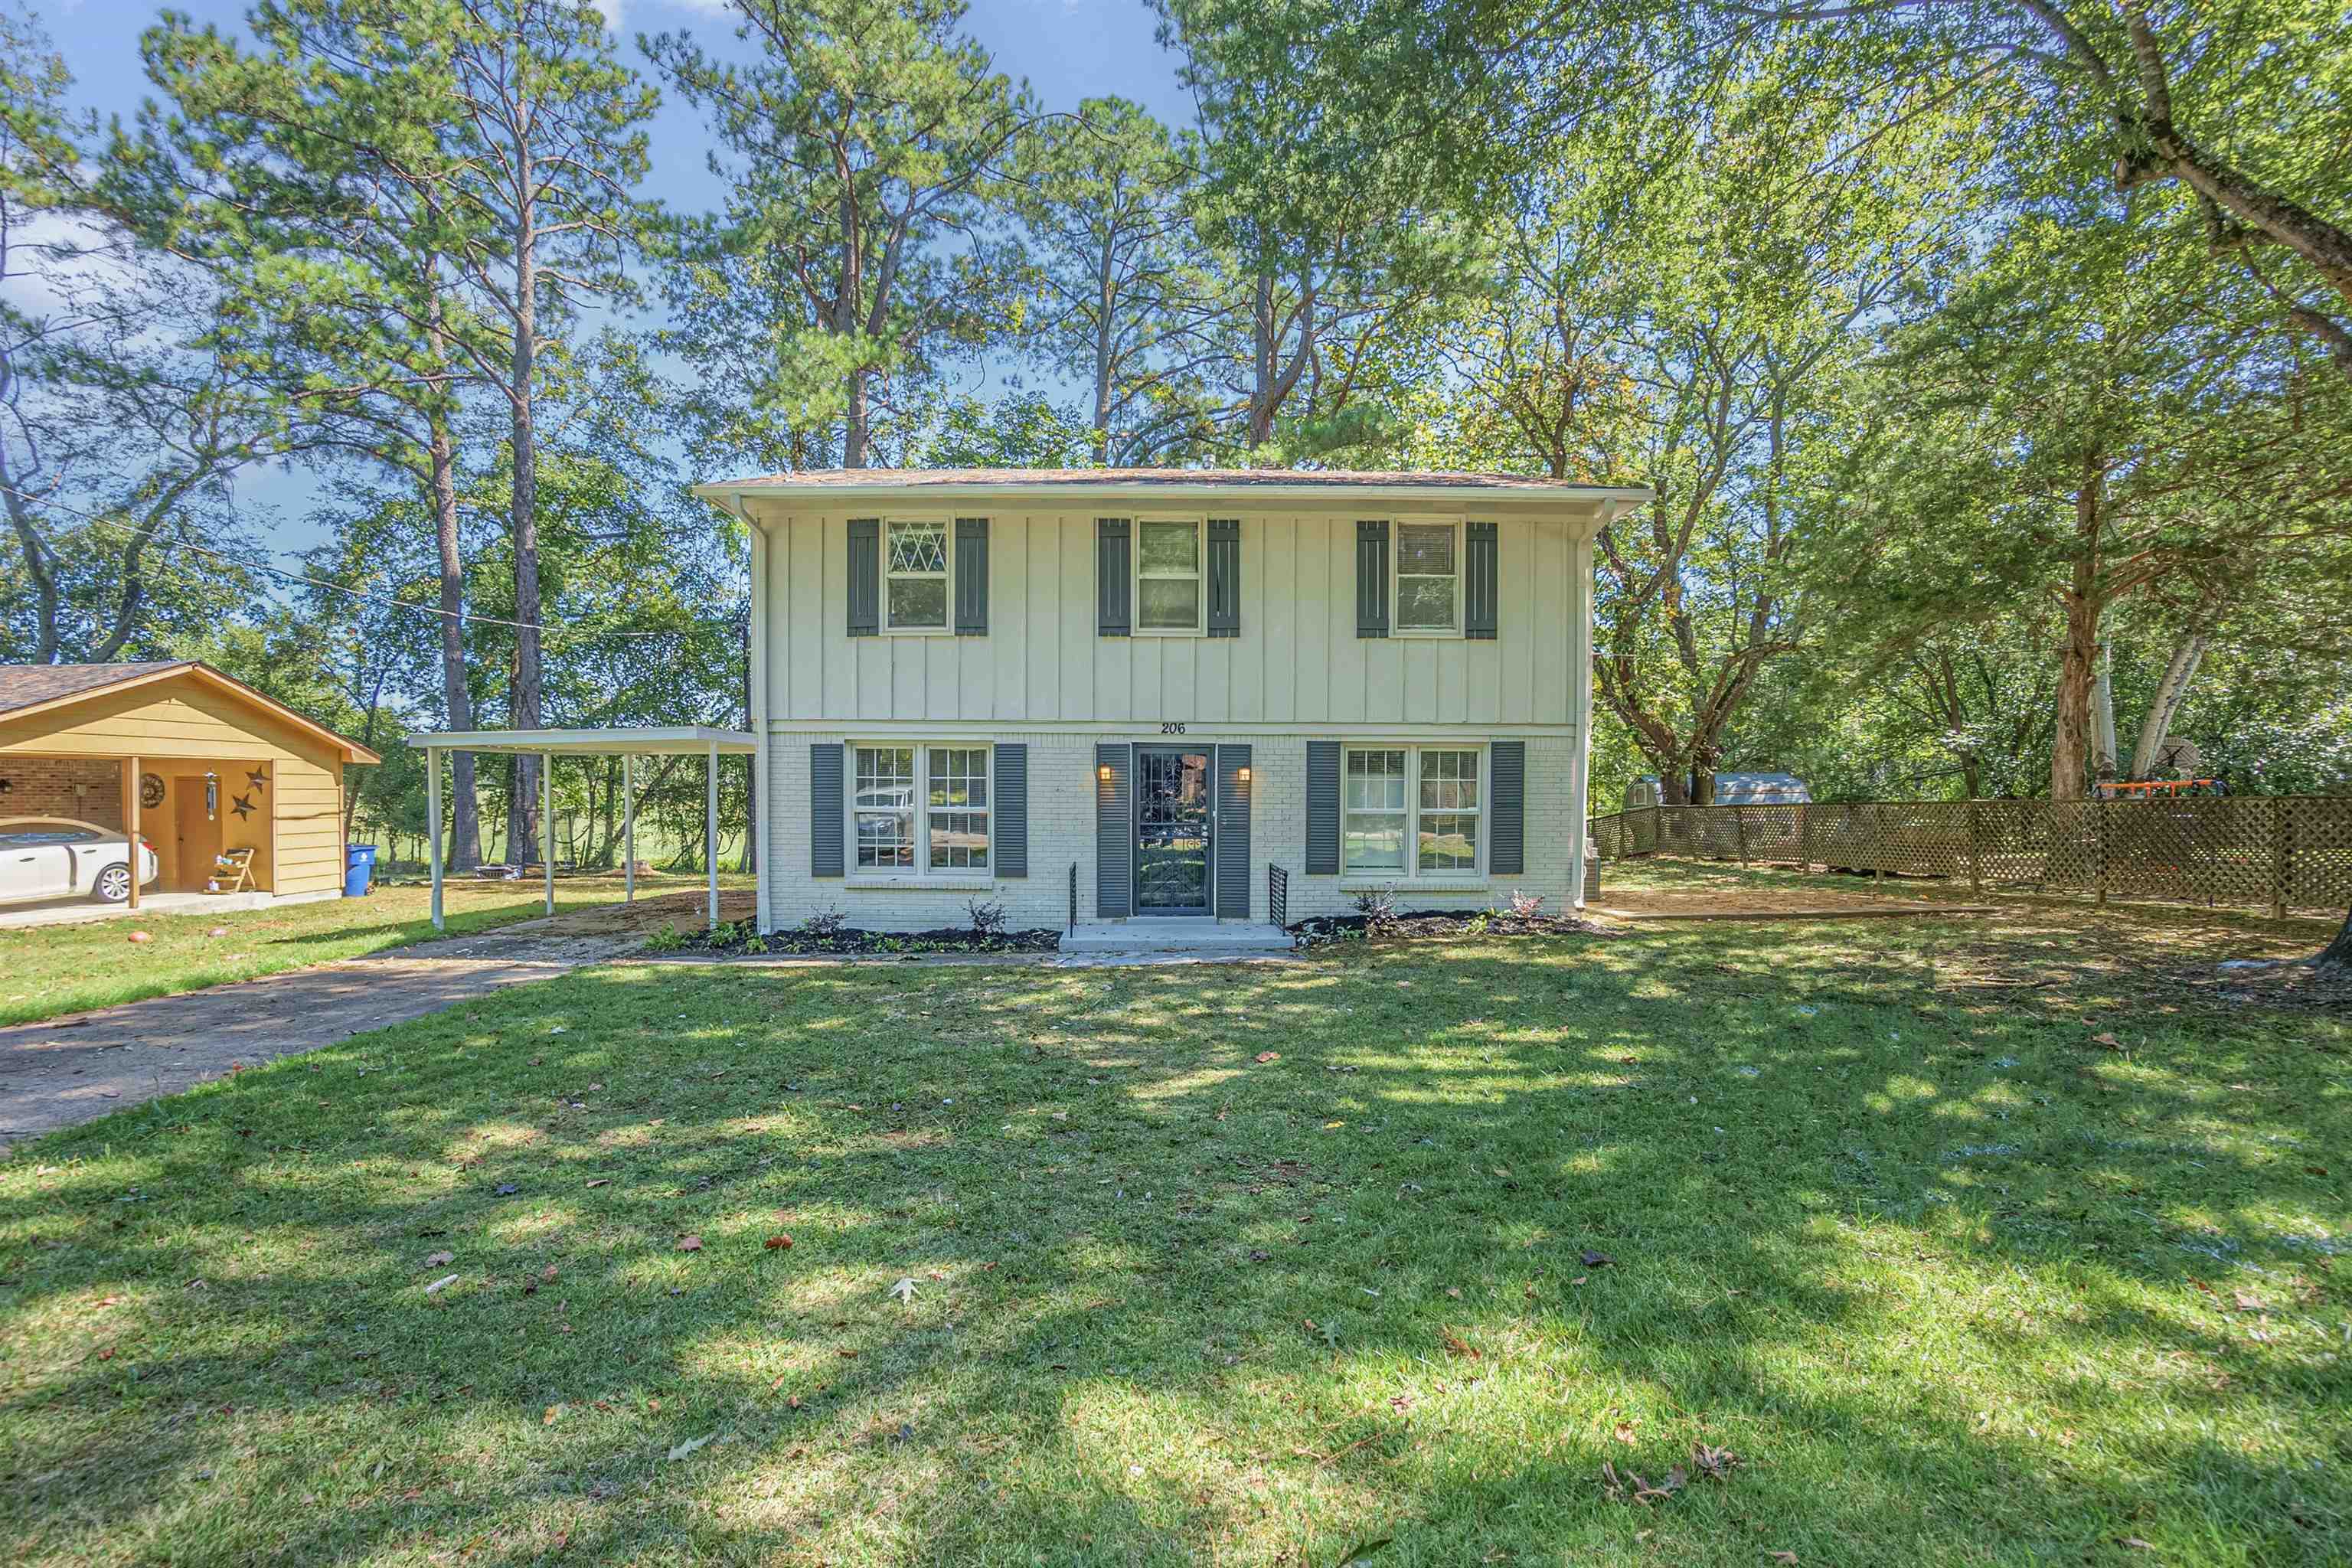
257	779
244	806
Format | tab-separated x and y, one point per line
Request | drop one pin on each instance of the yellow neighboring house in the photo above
196	764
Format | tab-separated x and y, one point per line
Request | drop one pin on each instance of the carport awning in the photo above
625	743
648	740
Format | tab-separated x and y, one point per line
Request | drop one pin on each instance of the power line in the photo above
542	628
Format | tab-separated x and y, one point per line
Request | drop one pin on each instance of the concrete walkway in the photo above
68	1070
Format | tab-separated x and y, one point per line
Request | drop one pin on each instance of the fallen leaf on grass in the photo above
437	1258
437	1284
2135	1544
1596	1259
1713	1462
554	1413
1269	1055
602	1182
2246	1301
690	1445
689	1243
1625	1433
1788	1557
1456	1345
2107	1040
904	1290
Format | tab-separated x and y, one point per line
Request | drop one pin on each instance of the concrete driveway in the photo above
68	1070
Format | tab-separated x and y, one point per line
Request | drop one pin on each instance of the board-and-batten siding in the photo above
299	847
1297	658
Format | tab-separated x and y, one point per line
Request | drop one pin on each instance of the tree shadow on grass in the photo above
1173	1303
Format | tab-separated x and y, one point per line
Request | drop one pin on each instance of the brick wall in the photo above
46	786
1062	830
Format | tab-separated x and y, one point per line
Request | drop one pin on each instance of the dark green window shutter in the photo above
1113	577
1481	581
1012	808
1233	900
1371	581
1322	808
865	577
1224	577
972	577
1508	857
825	809
1114	834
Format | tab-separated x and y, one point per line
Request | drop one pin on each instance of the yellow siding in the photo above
180	726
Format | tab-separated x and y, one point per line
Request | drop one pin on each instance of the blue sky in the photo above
1067	49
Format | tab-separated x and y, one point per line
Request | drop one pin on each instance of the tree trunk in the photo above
523	706
465	811
2337	954
1104	299
2070	742
2157	728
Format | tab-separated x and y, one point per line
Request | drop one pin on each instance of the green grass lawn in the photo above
2011	1242
48	971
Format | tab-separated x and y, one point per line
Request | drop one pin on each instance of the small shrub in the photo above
1526	906
756	944
665	940
826	924
987	919
1479	923
1379	908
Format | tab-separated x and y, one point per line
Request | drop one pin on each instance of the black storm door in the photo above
1171	830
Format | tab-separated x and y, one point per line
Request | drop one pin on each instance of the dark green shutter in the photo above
1233	899
1371	581
825	809
1508	857
1322	808
1114	834
972	577
1114	578
1012	808
1224	577
865	577
1481	581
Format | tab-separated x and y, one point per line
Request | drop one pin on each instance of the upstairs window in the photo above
1168	588
915	558
1428	577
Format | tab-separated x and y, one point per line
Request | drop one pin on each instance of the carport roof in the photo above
640	740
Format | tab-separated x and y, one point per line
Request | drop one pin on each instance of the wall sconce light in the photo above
1103	772
1242	772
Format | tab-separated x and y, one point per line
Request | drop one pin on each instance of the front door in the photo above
1171	830
196	835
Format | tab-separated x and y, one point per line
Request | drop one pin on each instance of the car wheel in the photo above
113	885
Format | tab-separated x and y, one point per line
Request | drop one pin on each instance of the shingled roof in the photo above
24	685
1336	481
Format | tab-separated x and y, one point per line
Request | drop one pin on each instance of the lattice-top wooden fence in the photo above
2286	851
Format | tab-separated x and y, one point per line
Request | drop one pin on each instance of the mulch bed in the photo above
1442	925
851	941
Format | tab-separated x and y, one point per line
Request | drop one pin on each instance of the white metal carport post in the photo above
547	823
433	826
629	824
710	828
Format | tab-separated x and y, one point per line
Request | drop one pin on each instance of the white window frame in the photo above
1410	872
922	873
1397	628
946	576
1200	627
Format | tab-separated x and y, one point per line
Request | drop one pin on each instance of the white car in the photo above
56	858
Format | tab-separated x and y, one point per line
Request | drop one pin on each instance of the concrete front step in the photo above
1161	934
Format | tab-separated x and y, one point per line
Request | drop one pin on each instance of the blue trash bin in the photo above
358	865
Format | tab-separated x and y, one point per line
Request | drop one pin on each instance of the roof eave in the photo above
721	493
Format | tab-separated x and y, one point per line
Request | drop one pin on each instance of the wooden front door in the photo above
195	836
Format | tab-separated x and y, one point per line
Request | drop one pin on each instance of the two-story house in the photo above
970	682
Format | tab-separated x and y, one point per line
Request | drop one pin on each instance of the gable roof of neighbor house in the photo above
1172	483
27	689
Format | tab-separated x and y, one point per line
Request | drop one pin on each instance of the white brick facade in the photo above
1062	831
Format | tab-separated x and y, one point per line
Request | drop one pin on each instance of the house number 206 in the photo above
1171	729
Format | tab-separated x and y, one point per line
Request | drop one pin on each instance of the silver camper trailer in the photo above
1731	789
